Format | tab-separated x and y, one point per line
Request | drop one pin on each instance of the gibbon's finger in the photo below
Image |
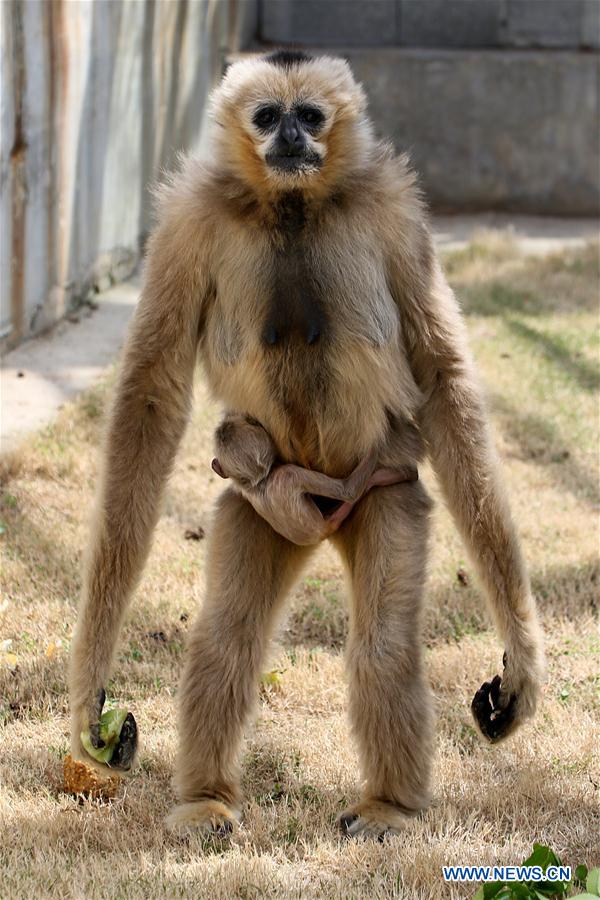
480	705
495	691
94	724
118	740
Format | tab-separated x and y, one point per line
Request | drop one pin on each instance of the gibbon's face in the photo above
288	120
287	137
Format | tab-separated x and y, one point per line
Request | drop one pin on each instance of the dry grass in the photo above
534	330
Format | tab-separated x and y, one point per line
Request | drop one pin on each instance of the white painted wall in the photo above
96	97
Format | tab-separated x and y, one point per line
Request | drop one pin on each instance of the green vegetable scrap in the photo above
111	723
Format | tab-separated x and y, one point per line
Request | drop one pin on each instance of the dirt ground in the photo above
533	324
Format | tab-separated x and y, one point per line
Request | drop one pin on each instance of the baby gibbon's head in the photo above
245	451
288	120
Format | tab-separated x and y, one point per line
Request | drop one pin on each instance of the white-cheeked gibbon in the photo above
298	265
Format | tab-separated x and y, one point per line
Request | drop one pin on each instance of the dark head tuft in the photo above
287	58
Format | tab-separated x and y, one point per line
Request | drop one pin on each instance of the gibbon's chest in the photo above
303	334
302	298
294	317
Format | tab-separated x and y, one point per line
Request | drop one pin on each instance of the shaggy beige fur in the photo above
391	371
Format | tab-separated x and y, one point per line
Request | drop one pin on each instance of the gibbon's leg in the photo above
249	570
384	545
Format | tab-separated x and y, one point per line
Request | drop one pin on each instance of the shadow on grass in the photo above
453	610
556	351
51	566
285	810
540	442
562	282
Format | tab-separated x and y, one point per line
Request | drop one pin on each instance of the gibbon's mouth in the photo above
284	163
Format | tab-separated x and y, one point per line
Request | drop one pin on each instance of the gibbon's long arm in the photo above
453	422
148	418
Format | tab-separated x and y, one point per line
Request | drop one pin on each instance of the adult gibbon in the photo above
298	264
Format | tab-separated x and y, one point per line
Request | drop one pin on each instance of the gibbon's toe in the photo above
203	816
373	819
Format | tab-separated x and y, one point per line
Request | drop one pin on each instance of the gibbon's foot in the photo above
373	819
204	817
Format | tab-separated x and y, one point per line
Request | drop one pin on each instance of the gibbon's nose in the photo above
290	134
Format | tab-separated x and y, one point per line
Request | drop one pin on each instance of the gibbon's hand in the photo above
124	751
501	705
85	716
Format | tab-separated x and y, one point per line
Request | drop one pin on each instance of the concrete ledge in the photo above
433	23
506	130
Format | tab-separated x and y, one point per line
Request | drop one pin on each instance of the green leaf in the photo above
581	872
111	723
102	755
493	889
504	893
592	882
519	891
551	888
542	856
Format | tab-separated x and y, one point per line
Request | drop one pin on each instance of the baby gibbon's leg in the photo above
249	570
384	546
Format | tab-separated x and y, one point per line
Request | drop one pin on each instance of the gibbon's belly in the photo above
325	404
313	352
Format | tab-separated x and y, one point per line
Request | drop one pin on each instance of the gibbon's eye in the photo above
311	116
266	117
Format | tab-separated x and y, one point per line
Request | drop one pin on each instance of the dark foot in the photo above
211	818
373	819
345	822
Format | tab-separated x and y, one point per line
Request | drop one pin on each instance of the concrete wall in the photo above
495	100
433	23
95	97
499	130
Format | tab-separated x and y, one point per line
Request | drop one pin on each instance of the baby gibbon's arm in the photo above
453	421
147	420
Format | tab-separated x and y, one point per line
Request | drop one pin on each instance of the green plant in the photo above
541	890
